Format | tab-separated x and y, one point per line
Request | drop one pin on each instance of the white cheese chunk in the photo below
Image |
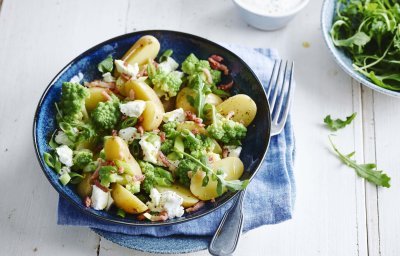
150	144
129	134
234	150
168	65
133	108
65	155
109	202
127	69
107	77
62	139
212	157
99	198
168	201
175	115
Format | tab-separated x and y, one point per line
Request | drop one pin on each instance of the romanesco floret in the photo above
170	130
167	146
72	103
226	130
181	173
169	84
191	142
154	176
82	158
106	115
192	66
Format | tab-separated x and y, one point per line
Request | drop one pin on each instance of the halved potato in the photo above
126	200
213	99
84	188
232	166
188	198
152	116
116	149
142	92
96	96
244	108
145	48
203	193
182	100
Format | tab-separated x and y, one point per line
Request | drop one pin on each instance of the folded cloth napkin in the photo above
269	198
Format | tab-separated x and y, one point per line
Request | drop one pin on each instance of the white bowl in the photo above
268	21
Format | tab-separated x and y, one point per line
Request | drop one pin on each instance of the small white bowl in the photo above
268	21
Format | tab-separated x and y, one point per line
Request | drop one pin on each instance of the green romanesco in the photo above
167	146
224	129
191	142
106	115
166	80
181	173
154	176
72	103
192	66
170	130
82	158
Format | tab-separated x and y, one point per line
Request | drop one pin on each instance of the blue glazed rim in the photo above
327	14
112	219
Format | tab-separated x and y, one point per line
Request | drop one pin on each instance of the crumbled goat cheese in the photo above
175	115
234	150
133	108
62	139
168	201
99	198
150	144
168	66
127	69
107	77
129	134
65	155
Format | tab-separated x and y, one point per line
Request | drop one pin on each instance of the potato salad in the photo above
151	137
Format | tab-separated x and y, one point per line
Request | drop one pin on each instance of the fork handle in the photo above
226	237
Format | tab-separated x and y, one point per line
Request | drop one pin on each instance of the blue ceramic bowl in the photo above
254	146
344	61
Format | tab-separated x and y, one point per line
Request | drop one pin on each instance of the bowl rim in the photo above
288	13
146	224
351	72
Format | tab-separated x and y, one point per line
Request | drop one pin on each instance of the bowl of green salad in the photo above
364	38
152	128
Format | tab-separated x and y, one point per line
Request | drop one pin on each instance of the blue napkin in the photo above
270	196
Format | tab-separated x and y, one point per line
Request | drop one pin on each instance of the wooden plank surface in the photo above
336	213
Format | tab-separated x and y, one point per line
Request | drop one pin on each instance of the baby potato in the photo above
126	200
188	198
203	193
142	92
232	166
96	95
182	99
116	149
84	188
190	125
243	106
152	116
213	99
145	48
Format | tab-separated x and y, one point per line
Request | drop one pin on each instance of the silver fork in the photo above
280	91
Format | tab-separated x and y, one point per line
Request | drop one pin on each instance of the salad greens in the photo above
336	124
369	32
366	171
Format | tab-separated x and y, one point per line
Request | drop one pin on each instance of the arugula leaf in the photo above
337	124
369	33
106	65
366	171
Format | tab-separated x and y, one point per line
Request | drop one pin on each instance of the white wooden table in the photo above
336	212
